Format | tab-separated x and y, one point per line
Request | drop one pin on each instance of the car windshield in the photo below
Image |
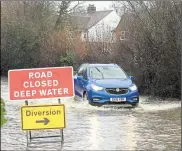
105	72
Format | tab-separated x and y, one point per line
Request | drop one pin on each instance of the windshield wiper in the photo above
100	72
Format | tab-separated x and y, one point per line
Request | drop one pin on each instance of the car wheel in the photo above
134	105
85	96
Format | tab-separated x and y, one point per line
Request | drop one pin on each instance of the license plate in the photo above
117	99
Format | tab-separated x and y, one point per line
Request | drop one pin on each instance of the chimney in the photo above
91	9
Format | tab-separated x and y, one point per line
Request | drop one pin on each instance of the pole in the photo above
26	103
27	137
59	101
61	130
30	134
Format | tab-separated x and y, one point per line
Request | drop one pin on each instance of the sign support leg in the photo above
26	103
27	137
62	136
30	135
61	130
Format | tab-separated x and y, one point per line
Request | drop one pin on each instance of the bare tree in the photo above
155	27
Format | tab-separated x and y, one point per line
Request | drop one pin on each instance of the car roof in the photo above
99	64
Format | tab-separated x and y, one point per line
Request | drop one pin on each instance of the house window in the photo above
85	35
113	37
124	35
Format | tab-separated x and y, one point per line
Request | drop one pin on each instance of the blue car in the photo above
104	84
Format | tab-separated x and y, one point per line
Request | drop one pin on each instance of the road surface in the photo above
154	125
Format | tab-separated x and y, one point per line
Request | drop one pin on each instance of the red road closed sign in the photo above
40	83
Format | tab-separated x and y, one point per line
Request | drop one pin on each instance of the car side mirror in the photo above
131	78
75	72
79	78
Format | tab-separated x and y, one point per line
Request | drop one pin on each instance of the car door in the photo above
77	83
85	79
82	83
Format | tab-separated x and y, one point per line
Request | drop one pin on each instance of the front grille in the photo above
117	90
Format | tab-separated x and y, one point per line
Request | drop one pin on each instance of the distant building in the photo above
94	25
121	32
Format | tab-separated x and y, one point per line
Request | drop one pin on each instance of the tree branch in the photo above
78	3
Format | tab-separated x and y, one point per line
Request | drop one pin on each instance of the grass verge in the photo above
3	112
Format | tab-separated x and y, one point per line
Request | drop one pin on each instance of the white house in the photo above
95	25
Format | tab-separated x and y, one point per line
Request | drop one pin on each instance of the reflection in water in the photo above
159	130
130	135
94	133
114	134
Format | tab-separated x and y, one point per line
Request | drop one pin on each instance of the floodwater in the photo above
154	125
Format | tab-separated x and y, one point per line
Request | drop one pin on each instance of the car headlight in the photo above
133	88
96	88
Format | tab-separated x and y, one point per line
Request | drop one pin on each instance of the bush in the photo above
67	60
3	120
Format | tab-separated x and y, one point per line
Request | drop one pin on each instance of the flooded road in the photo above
154	125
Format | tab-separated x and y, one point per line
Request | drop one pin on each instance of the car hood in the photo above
113	83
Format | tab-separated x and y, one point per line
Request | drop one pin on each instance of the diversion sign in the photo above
40	83
43	117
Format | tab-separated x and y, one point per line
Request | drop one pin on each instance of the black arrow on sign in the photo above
45	121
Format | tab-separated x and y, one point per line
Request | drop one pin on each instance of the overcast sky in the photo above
100	5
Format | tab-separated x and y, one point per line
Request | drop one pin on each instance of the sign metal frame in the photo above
29	136
29	133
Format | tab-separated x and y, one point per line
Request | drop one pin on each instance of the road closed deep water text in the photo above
55	82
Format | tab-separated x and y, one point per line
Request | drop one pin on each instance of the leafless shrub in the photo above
155	42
